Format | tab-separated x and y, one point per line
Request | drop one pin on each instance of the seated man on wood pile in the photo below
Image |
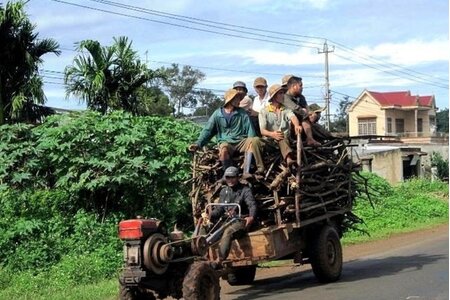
232	127
319	132
294	100
233	192
275	120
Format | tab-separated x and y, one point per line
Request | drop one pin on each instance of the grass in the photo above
413	205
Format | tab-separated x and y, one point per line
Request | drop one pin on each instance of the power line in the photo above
381	63
198	21
394	74
231	70
219	23
204	22
183	26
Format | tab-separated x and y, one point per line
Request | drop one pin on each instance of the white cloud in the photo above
303	56
411	52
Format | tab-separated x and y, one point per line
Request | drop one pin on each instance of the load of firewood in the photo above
325	182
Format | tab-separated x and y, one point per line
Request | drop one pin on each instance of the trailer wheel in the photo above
242	275
201	282
326	255
134	293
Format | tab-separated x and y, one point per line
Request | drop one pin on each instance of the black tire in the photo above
134	293
242	275
201	282
326	255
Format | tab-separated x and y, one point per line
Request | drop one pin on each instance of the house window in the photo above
419	125
367	126
389	125
399	125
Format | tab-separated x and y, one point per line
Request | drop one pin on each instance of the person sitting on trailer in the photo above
234	132
319	132
275	120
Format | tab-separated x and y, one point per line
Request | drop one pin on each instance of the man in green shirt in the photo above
232	127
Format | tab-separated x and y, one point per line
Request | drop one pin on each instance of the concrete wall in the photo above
388	164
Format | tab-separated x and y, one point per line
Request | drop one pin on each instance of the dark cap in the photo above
240	84
231	172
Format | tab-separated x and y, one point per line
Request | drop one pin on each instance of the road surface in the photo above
411	266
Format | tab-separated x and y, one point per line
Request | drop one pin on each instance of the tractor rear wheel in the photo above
326	255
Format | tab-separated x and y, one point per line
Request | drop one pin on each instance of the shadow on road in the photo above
355	270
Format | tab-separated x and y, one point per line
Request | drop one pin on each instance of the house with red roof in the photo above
397	114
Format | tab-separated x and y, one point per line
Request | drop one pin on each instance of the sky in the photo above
378	45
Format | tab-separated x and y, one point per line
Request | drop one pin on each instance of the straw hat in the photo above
260	81
273	90
315	108
230	95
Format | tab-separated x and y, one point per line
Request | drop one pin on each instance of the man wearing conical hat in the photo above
233	130
275	121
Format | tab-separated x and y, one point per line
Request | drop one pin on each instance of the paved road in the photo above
415	269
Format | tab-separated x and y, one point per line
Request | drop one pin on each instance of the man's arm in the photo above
208	131
251	204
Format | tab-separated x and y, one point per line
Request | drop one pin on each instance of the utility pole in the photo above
327	84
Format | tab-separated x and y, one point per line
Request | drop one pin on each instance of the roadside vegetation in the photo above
66	184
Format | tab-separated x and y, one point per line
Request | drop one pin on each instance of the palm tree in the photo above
20	57
107	78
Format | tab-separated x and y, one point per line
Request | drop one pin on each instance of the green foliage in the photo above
109	77
339	123
180	84
66	184
21	54
112	163
442	121
442	165
209	103
413	204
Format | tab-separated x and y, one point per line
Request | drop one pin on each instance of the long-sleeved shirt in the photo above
239	194
296	104
231	130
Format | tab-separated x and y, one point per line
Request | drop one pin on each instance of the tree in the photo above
108	78
180	85
20	56
154	102
339	123
442	121
209	103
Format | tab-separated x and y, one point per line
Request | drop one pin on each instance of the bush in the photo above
66	184
442	165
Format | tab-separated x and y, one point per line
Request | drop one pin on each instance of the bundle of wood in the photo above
323	185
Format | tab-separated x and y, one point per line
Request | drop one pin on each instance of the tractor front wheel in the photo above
201	282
